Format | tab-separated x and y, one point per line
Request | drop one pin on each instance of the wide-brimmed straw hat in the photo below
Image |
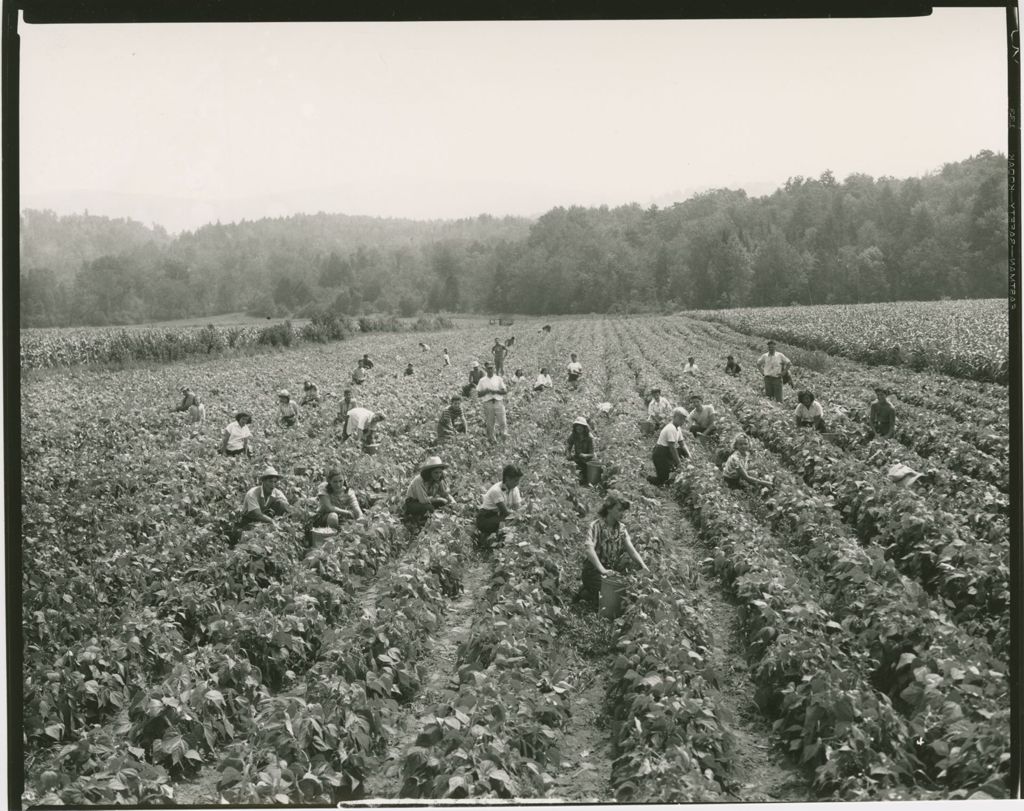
581	421
903	475
432	463
269	473
284	393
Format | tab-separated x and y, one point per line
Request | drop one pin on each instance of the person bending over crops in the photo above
452	420
808	413
580	447
365	362
264	502
607	549
347	404
667	450
731	366
702	417
543	380
336	501
690	367
235	439
427	491
659	409
735	472
882	416
310	394
774	366
358	376
574	370
408	370
191	403
361	422
491	390
287	409
501	499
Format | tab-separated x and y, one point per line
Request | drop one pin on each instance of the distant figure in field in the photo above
518	377
510	341
580	447
427	492
264	502
607	549
543	380
882	415
358	376
287	409
365	362
499	351
659	409
731	366
501	499
408	371
492	390
235	439
574	370
191	403
452	420
702	417
735	471
446	357
670	446
361	423
310	394
424	347
347	404
336	501
808	413
476	374
546	328
690	367
774	366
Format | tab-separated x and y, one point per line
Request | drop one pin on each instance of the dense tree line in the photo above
813	241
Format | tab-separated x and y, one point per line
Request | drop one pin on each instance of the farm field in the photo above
835	637
962	338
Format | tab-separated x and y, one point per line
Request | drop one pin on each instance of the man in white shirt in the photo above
264	502
690	367
671	443
574	370
659	409
543	380
361	421
491	391
773	366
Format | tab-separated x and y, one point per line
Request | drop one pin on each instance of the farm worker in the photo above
543	380
574	370
882	415
808	412
336	500
424	347
408	370
659	409
510	342
671	442
446	357
310	394
476	374
731	366
690	367
491	391
235	439
347	404
365	362
774	366
519	377
734	472
358	376
264	502
546	328
190	402
580	447
287	411
903	475
361	422
427	491
499	500
702	417
452	420
499	350
607	549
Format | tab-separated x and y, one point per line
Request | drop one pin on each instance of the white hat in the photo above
283	393
431	463
680	411
581	421
903	475
474	364
269	472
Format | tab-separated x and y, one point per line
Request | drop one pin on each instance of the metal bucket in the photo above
320	534
594	472
610	602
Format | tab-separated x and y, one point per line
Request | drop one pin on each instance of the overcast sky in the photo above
185	124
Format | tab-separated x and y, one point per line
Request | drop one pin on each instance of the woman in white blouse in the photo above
235	439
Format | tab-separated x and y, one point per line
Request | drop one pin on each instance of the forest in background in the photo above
813	241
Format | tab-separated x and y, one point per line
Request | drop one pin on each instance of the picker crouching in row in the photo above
608	549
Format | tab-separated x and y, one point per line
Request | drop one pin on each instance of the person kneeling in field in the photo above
190	402
702	417
667	450
427	491
659	409
235	439
264	502
735	470
580	447
808	413
336	501
452	420
361	422
607	549
502	498
882	416
310	394
287	411
543	380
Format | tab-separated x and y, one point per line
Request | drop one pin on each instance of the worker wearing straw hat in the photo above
287	409
264	502
580	447
427	491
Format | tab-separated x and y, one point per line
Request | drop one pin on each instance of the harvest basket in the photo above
595	470
610	601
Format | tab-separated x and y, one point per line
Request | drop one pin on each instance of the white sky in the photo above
184	124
